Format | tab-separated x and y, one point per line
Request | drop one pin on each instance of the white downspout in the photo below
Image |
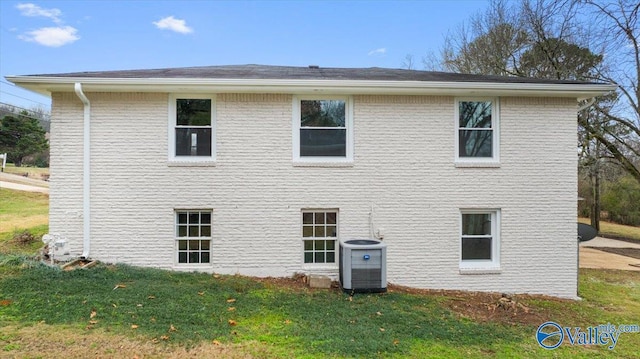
86	172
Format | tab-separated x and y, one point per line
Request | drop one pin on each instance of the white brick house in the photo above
258	170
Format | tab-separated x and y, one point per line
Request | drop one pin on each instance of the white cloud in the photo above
35	10
380	51
173	24
52	36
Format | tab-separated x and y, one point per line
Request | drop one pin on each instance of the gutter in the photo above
86	172
47	84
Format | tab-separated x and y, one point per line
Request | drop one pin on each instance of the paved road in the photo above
23	187
593	258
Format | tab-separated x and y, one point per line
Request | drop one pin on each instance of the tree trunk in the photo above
18	162
595	206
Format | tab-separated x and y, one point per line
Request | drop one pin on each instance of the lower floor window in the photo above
319	235
479	236
193	236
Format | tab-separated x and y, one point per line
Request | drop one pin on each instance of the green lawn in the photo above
20	211
122	311
615	230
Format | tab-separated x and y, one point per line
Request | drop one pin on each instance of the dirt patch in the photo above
627	252
489	307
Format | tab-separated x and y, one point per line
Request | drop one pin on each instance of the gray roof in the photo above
303	73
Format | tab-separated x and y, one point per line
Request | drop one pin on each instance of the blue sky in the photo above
39	37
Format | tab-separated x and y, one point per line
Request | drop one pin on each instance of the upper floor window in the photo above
477	130
192	128
323	129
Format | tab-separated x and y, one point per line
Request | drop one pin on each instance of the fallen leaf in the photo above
216	276
114	305
232	322
119	286
153	320
396	342
231	309
93	313
200	293
164	337
287	321
172	328
216	342
378	313
93	322
351	299
151	297
382	329
139	305
231	300
5	303
134	326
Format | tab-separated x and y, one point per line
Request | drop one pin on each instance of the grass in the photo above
614	230
20	211
173	312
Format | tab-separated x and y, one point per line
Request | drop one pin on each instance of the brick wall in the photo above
403	169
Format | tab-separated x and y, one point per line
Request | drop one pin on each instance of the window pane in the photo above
204	257
475	143
319	257
323	142
182	217
194	257
193	112
194	231
307	231
319	245
308	245
308	257
319	231
204	245
307	218
476	224
194	245
182	245
319	217
322	113
193	142
182	231
205	231
331	231
331	245
194	217
476	248
331	218
475	114
331	257
182	257
205	218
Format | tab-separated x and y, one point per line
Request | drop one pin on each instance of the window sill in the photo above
480	270
211	163
471	164
322	164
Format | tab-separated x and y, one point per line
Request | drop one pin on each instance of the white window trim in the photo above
190	160
320	266
477	266
297	159
187	266
495	125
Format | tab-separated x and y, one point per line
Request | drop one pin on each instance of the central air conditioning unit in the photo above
363	266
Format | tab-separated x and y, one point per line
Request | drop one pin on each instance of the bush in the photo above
621	200
23	238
